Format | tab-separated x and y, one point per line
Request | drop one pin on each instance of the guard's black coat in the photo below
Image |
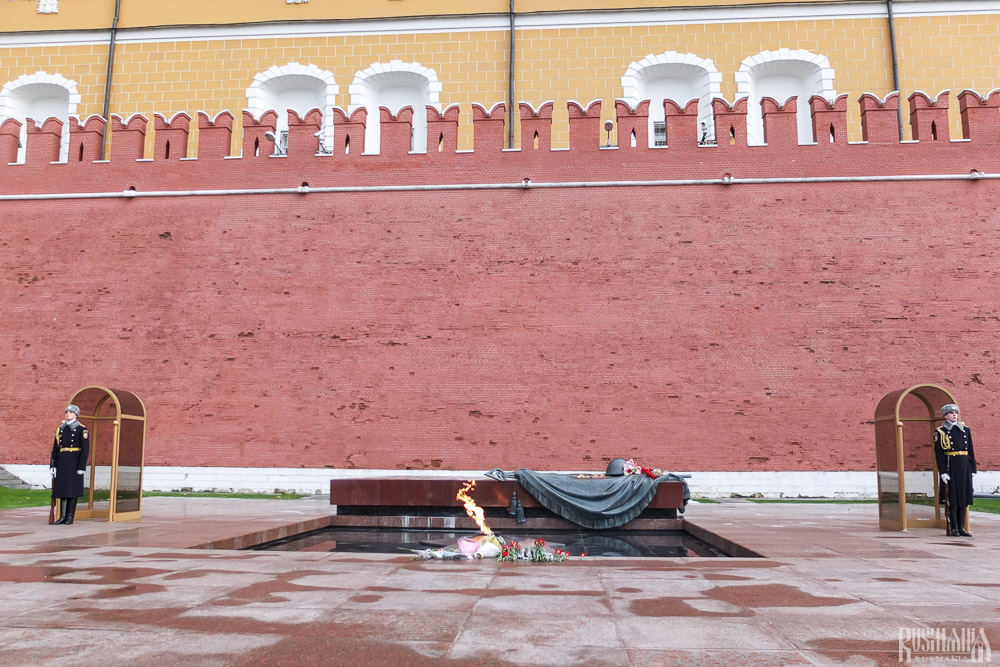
68	483
959	467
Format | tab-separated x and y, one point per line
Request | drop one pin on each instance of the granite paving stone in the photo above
429	602
540	655
718	658
557	632
700	632
562	604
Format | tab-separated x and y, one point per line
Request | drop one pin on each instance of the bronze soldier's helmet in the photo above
951	407
616	467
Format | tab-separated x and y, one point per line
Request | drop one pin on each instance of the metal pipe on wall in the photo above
726	181
510	82
895	65
107	82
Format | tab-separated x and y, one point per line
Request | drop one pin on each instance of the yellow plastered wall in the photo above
21	15
581	64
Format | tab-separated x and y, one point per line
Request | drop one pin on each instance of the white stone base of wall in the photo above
782	484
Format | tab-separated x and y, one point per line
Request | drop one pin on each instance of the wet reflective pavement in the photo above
833	590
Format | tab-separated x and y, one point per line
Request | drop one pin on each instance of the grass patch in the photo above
991	505
18	498
258	496
706	501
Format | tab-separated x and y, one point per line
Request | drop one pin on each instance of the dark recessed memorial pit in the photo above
627	544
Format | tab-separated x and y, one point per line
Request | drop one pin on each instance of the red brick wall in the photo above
696	327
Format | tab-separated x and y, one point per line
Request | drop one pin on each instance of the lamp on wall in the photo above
608	126
323	148
280	140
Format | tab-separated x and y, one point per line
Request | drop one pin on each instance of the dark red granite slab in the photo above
439	492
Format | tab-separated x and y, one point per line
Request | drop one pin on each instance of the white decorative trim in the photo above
675	65
534	109
10	107
48	6
364	91
492	22
816	69
980	97
706	484
38	78
933	99
259	98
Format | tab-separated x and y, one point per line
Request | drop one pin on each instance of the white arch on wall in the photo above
40	96
781	74
297	87
675	76
394	85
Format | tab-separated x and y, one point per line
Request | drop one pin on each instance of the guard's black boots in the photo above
955	515
62	511
71	510
964	514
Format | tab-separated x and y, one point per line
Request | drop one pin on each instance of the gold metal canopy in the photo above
116	420
905	420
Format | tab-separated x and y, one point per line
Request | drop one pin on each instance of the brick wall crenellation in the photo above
342	161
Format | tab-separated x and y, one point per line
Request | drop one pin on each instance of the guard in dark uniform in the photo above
956	463
68	463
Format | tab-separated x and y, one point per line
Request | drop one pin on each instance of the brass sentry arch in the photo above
905	420
116	420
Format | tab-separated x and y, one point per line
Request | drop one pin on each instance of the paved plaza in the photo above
832	590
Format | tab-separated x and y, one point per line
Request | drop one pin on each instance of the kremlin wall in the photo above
699	306
314	245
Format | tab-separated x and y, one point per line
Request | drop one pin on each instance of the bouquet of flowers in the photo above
480	546
494	546
537	552
632	469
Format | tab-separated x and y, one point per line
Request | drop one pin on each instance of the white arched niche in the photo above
680	77
779	75
40	96
300	88
395	85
